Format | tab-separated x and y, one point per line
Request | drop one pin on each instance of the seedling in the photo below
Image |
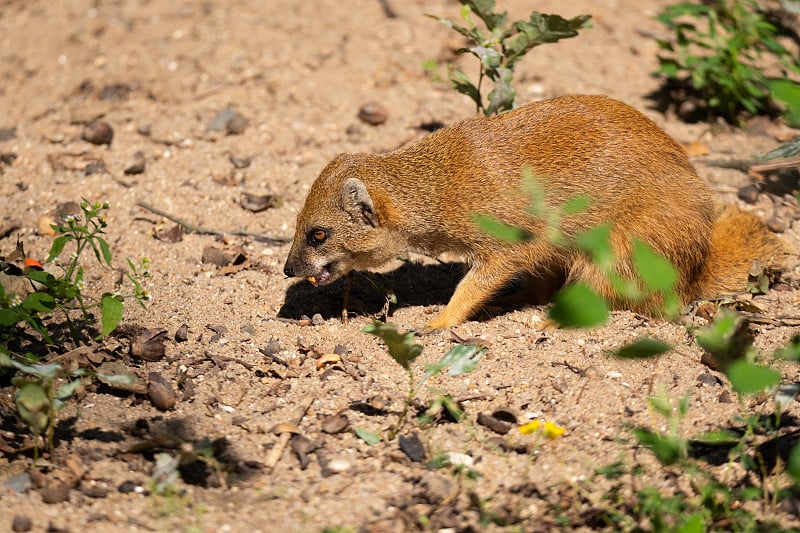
404	350
39	399
500	46
60	293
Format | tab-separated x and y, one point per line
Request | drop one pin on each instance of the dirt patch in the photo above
296	75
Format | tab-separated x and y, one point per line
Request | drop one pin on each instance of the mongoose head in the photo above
340	228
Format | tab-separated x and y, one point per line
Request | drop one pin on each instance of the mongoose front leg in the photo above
483	281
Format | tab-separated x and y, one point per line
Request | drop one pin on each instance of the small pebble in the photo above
7	158
182	333
337	466
335	423
160	391
21	523
240	162
19	483
236	125
94	167
459	459
127	486
412	446
55	493
98	132
749	194
373	113
137	164
777	224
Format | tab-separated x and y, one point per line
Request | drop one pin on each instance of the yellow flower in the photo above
530	427
550	429
553	430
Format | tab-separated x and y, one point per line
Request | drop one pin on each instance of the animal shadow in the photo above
413	284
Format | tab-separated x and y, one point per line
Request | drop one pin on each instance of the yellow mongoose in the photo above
365	210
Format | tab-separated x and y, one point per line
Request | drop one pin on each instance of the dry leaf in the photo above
696	148
328	359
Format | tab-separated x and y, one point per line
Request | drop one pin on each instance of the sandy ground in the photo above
159	72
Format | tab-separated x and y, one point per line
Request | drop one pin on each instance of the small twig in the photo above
791	162
737	164
388	10
758	166
275	453
191	228
779	321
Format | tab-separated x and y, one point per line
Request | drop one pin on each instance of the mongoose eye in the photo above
317	236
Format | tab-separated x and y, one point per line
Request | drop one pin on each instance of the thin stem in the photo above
480	108
412	392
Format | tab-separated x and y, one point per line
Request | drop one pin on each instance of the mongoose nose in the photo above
288	270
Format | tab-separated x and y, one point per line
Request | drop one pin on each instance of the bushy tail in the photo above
737	239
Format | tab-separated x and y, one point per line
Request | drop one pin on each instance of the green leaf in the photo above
540	29
401	346
789	149
596	242
485	11
32	403
719	437
643	347
695	523
462	84
9	317
116	379
58	246
452	407
40	276
726	338
501	97
655	270
749	378
793	467
578	306
668	450
111	309
68	389
40	370
39	302
791	351
489	56
576	204
501	230
368	436
461	359
106	251
787	92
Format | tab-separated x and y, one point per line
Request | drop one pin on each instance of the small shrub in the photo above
722	49
500	46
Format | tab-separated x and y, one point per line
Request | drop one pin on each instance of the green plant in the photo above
62	293
39	397
404	350
712	500
669	447
500	46
39	299
720	48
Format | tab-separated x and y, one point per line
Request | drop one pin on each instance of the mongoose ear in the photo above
358	202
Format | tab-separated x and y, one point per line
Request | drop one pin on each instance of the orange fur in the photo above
373	208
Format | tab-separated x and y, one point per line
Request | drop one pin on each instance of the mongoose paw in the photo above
427	330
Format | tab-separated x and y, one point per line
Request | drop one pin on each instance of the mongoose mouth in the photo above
323	278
